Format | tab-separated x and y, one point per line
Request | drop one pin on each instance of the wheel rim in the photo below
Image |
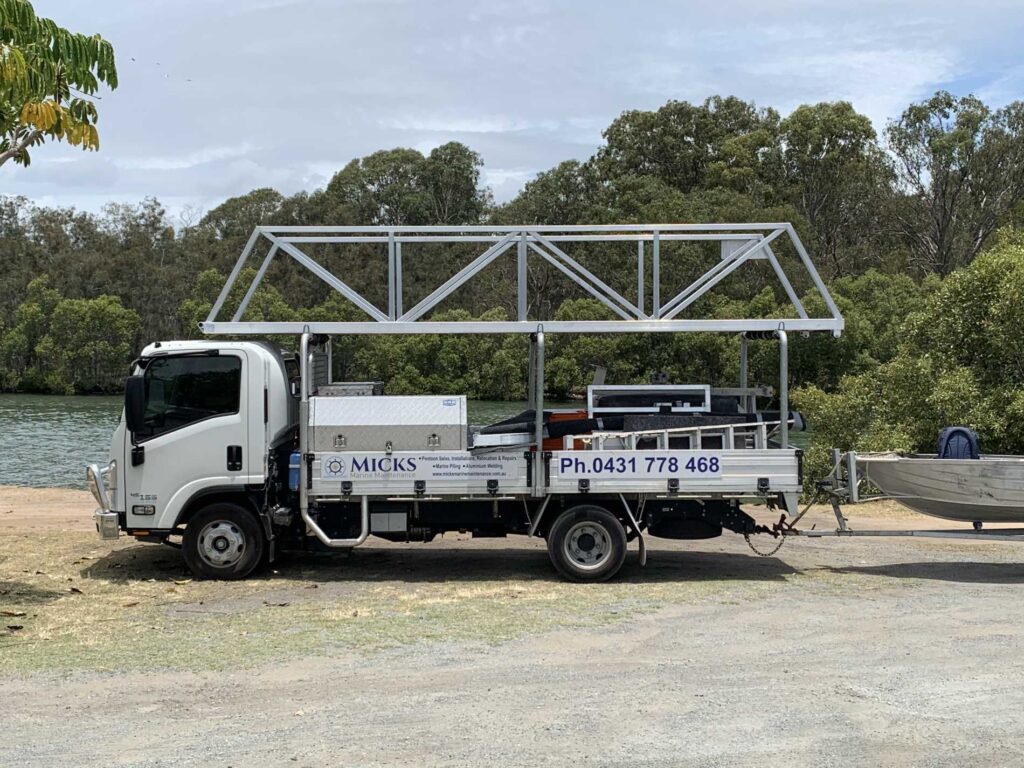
221	543
588	545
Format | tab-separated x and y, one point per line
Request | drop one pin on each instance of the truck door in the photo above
195	435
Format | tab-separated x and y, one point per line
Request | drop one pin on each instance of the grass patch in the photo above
71	602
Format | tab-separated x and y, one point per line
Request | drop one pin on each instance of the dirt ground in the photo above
873	652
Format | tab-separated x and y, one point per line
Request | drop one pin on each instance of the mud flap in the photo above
636	527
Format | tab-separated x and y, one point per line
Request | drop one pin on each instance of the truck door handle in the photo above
234	458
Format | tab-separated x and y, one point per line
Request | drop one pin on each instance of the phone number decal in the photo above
638	464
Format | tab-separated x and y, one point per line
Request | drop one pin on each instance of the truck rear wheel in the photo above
587	543
222	541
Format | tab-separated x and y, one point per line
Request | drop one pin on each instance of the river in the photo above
48	439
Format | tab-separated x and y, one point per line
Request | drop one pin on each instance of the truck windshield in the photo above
186	389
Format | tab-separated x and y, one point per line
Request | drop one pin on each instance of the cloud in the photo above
219	98
177	162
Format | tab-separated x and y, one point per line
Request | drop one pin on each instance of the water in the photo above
48	439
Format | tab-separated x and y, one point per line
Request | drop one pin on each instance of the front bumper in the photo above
108	525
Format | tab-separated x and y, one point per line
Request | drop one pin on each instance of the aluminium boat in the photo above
989	489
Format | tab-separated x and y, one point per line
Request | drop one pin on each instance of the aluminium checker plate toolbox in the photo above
382	423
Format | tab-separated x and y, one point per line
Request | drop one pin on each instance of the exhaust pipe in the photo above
341	543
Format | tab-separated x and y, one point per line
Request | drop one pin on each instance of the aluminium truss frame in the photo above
646	313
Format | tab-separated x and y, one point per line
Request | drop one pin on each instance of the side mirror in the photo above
134	403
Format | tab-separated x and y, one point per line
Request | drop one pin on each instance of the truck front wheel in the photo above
222	541
587	543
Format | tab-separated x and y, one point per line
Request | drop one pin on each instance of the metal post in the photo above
304	377
531	380
539	487
521	278
743	361
398	280
656	275
640	275
743	372
391	274
783	388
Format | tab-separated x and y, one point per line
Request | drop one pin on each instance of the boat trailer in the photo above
845	485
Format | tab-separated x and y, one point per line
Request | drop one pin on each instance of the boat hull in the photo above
985	490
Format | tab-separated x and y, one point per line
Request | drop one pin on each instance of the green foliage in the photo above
401	186
958	360
926	343
47	76
961	170
835	175
67	345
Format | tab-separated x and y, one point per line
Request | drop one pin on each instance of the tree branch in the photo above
20	147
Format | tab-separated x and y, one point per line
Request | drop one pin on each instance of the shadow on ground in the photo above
450	564
18	592
966	573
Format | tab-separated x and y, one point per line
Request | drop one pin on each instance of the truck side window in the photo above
186	389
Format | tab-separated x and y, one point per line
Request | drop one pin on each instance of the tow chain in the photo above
759	553
778	530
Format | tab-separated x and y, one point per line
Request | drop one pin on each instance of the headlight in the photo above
94	478
109	475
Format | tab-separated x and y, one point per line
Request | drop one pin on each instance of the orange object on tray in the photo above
558	443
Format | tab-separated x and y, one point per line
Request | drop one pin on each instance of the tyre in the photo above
587	543
223	541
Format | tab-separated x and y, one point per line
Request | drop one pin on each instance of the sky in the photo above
219	97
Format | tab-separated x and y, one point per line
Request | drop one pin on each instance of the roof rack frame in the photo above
740	243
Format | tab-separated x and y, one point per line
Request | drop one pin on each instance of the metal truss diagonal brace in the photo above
255	284
581	282
594	280
331	280
714	276
787	286
219	303
459	278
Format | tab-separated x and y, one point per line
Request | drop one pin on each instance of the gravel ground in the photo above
880	652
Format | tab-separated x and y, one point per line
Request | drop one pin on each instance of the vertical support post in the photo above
391	274
640	275
521	305
531	368
656	275
305	373
745	399
399	311
539	486
783	388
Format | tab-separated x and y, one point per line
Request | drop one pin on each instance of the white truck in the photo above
237	450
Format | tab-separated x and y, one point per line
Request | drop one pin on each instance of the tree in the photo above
834	171
47	76
236	217
961	171
723	142
563	195
451	177
960	361
89	344
402	187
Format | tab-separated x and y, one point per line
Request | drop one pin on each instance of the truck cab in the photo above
200	421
